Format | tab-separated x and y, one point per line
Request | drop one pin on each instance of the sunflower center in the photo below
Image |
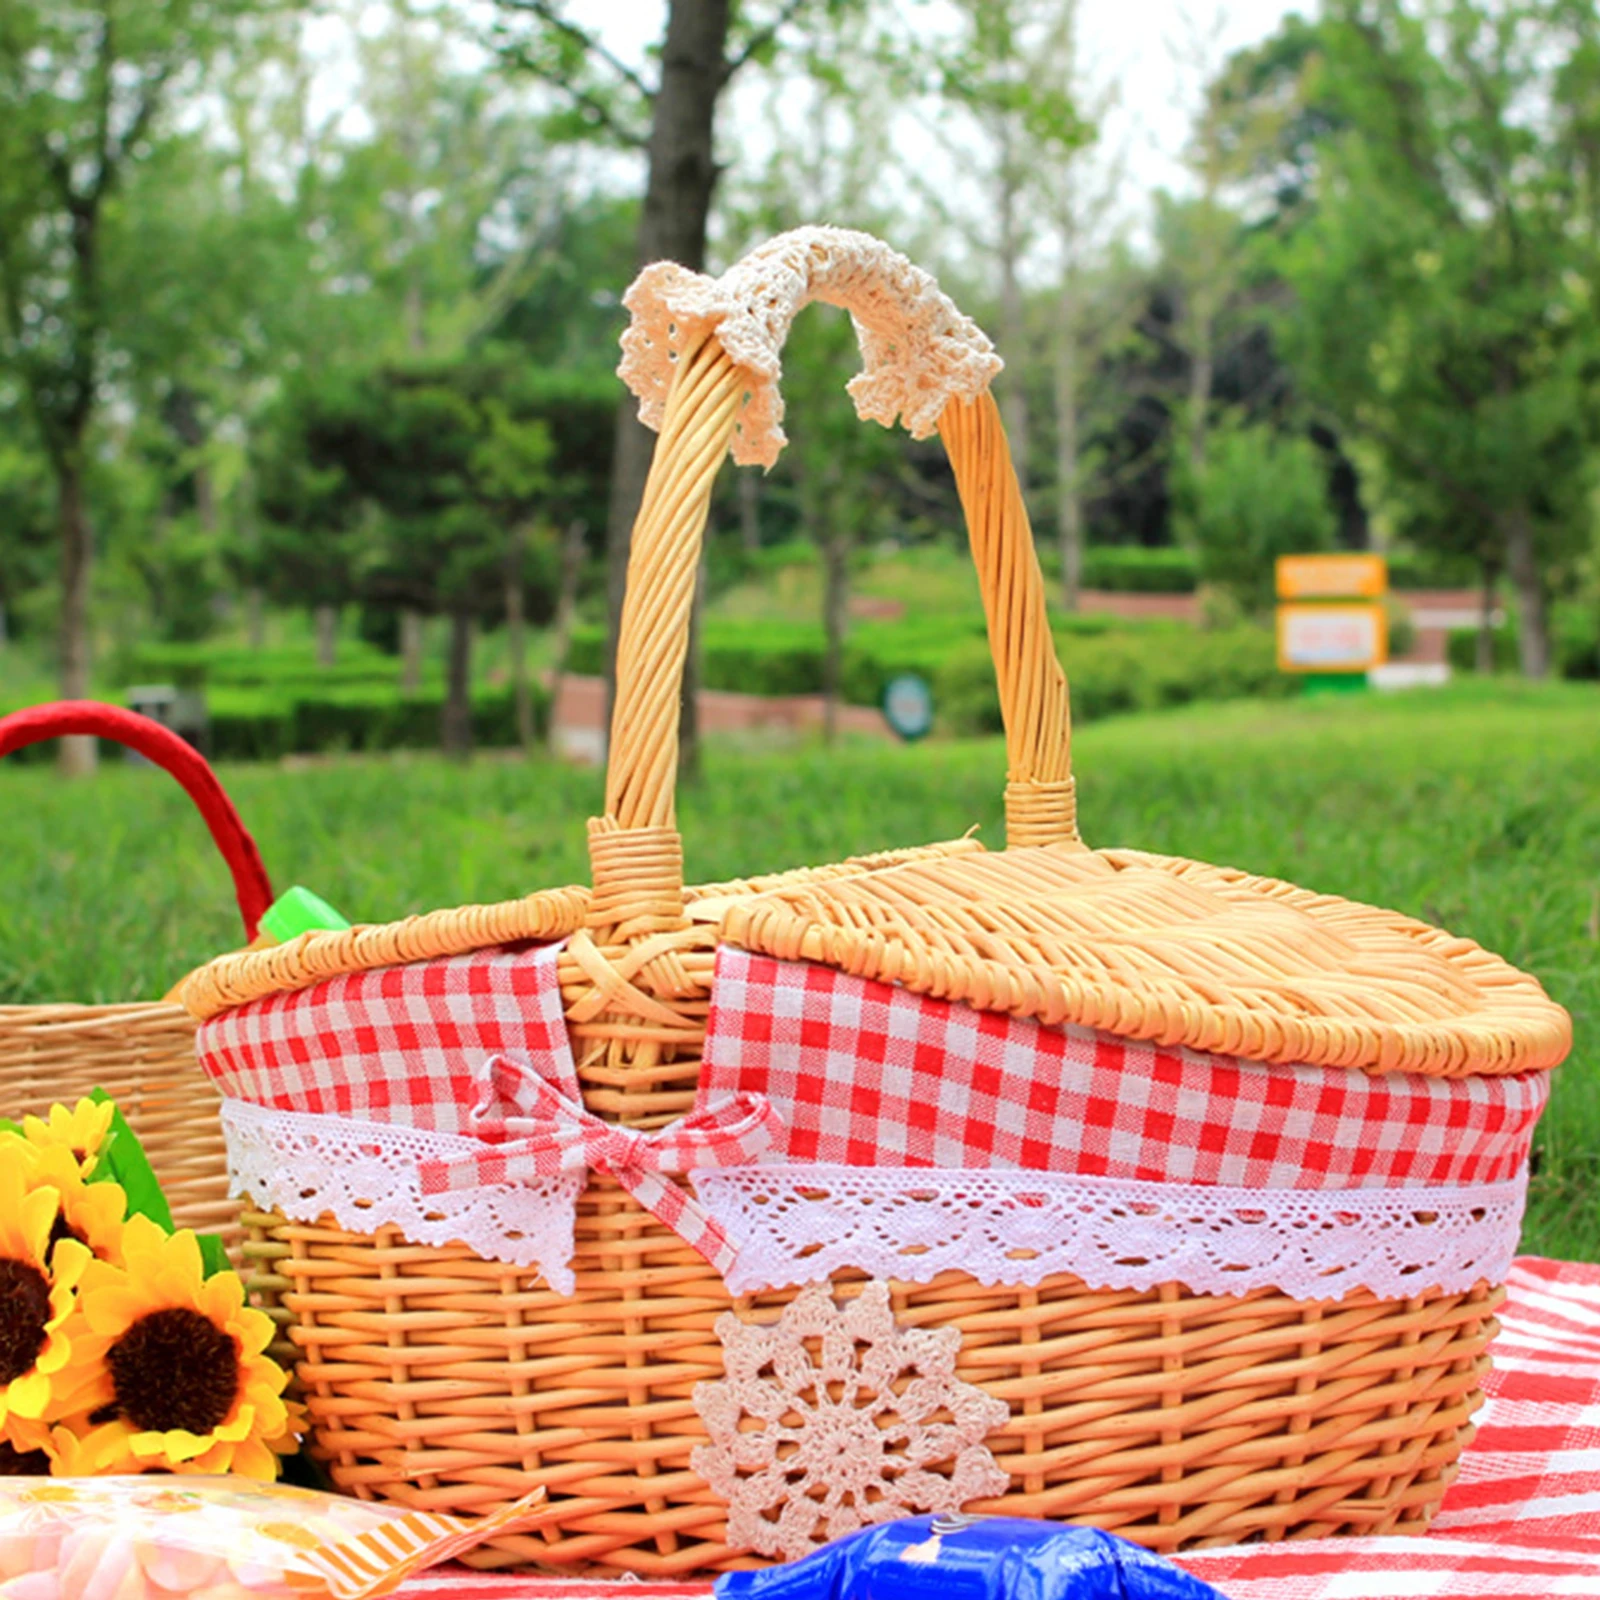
24	1316
62	1229
15	1463
174	1369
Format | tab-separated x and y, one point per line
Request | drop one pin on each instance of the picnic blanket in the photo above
1521	1521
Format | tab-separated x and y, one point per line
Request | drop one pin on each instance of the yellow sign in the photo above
1332	577
1332	638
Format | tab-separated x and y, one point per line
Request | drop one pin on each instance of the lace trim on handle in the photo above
365	1175
917	349
799	1224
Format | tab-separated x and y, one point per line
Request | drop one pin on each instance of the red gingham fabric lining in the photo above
401	1045
865	1074
1522	1522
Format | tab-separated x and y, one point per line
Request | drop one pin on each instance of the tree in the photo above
308	548
83	92
1258	494
1097	290
1012	70
672	123
1444	299
25	519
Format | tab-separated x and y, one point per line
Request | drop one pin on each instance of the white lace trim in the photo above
917	349
365	1174
799	1224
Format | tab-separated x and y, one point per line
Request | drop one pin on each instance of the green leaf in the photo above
213	1256
122	1160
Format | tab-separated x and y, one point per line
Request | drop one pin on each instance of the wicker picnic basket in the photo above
665	1412
140	1052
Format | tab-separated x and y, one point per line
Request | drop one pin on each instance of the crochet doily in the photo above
835	1417
917	349
365	1175
805	1223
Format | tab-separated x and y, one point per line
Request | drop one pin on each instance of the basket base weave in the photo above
437	1379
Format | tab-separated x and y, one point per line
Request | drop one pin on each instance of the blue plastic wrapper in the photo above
971	1558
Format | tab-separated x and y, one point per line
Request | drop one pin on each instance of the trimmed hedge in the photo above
1574	640
784	658
1169	569
205	666
1122	672
1140	569
257	725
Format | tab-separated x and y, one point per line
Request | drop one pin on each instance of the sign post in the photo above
1332	627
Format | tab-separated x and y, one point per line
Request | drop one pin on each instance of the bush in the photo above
1139	569
1122	672
202	666
784	658
1574	640
1428	569
1260	495
253	725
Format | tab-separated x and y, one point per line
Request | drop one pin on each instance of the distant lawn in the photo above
1477	808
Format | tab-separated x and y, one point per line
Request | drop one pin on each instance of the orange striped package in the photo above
152	1538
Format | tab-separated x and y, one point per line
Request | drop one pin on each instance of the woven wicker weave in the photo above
440	1379
140	1053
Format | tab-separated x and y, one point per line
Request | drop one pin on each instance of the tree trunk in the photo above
516	639
455	732
255	618
1013	396
325	620
566	612
1069	500
78	755
672	227
1533	621
1483	655
1202	366
410	650
835	606
749	482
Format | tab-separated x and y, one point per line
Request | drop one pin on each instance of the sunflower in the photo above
170	1368
91	1213
82	1131
26	1450
37	1280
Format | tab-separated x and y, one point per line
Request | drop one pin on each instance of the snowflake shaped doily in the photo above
834	1417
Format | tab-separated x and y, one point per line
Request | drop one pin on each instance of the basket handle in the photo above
702	355
175	757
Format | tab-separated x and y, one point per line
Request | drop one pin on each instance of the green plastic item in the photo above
298	911
1335	683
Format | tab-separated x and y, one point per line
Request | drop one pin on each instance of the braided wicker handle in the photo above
181	760
702	355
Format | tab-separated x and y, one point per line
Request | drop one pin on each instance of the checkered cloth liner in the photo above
535	1132
1522	1522
403	1044
865	1074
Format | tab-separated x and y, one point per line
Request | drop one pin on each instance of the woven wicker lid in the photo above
1177	952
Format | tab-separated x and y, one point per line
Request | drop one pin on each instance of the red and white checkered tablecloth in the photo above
1522	1522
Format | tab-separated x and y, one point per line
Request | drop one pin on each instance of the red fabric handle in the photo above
173	755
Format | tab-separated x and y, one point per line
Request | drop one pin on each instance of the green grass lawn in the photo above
1477	808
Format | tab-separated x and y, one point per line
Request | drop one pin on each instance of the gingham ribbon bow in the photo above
532	1131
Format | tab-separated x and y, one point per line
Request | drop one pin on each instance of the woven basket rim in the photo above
1396	995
